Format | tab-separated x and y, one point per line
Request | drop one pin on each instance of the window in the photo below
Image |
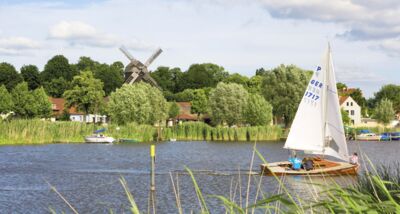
351	103
352	112
352	122
347	103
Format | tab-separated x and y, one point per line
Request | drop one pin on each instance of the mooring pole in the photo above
153	160
152	180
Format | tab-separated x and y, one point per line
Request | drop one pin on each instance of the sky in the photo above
240	35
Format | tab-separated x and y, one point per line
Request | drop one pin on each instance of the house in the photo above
352	108
185	112
58	106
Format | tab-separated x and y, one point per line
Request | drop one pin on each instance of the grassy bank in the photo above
39	132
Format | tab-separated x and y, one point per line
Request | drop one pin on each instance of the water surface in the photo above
87	174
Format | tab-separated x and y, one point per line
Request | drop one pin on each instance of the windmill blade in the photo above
132	78
149	79
126	53
153	57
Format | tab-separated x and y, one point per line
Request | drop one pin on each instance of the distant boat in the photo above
367	135
97	137
317	128
390	136
125	140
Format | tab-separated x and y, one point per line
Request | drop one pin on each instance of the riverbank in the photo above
17	132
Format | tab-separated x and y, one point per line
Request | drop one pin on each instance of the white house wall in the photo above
353	109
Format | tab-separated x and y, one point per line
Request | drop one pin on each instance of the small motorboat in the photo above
390	136
367	135
96	137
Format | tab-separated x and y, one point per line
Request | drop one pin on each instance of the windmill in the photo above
136	71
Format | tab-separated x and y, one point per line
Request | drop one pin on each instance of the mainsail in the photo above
317	127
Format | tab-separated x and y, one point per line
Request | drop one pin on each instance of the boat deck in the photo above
320	167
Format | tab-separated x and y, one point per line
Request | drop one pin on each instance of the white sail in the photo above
306	132
317	127
336	145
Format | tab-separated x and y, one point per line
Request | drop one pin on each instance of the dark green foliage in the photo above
58	67
390	92
185	96
203	75
110	75
6	103
168	78
9	76
57	87
340	86
30	74
284	87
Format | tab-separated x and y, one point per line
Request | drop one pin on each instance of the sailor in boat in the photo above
354	159
308	163
296	162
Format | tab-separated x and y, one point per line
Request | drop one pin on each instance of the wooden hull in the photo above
321	167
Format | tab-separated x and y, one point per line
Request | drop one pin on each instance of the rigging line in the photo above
337	129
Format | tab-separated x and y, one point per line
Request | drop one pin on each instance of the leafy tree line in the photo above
213	91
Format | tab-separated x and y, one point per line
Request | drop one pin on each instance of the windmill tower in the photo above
136	71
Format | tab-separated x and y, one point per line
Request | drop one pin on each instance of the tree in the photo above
227	103
199	102
340	86
86	63
384	112
238	79
42	103
168	79
202	75
86	93
185	96
390	92
110	75
9	76
284	87
345	117
254	84
30	74
6	104
140	103
57	87
260	71
58	67
24	102
258	111
173	111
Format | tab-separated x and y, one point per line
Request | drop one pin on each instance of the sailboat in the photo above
317	128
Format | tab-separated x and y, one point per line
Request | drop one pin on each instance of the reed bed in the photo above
40	132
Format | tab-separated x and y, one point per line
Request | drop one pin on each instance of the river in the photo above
87	175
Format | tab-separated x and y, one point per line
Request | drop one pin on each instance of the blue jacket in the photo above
296	163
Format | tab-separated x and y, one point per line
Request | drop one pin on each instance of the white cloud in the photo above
391	47
15	46
18	43
78	33
365	20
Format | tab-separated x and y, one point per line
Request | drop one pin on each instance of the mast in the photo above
325	99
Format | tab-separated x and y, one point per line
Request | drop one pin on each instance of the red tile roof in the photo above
342	99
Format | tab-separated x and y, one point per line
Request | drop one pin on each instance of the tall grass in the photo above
39	132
